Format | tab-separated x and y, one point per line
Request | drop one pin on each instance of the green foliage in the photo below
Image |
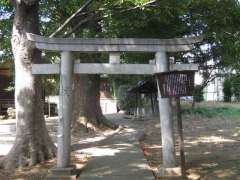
227	90
125	102
231	88
198	93
51	85
211	112
218	21
126	80
6	20
236	86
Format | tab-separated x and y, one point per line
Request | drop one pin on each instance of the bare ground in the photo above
41	170
212	147
77	158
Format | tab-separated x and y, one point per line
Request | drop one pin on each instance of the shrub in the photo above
125	100
198	93
11	113
227	90
236	86
211	112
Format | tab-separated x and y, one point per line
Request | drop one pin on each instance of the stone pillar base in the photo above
61	177
169	172
68	173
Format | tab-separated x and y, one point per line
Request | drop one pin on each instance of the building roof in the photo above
144	87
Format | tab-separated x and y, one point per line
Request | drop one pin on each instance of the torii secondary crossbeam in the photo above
114	46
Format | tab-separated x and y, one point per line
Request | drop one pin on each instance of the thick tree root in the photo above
28	153
108	123
93	124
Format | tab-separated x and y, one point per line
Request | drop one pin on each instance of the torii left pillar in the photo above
64	169
65	110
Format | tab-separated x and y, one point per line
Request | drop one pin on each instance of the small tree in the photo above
125	102
198	93
227	90
236	86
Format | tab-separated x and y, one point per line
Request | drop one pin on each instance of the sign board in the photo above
176	83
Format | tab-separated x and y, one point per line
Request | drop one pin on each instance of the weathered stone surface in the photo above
113	44
68	173
61	177
65	171
65	110
175	171
102	68
166	120
115	41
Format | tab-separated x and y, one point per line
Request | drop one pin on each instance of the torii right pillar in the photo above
166	120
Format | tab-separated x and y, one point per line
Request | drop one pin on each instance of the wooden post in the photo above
65	110
152	105
49	107
138	105
181	140
165	111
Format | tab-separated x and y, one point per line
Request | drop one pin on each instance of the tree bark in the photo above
33	143
87	110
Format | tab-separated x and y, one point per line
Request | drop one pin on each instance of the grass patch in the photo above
210	112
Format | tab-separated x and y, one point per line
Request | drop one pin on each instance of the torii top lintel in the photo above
113	44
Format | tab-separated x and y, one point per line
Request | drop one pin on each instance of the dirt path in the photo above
119	156
130	130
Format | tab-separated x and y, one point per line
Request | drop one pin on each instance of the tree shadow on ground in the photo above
118	156
211	147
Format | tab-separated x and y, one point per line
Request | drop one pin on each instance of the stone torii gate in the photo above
114	46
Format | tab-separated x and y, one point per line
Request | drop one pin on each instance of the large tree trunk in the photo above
87	110
33	143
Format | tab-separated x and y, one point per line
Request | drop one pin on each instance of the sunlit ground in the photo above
85	146
212	145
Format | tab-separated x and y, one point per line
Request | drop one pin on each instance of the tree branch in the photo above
92	16
138	6
85	5
83	21
28	2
